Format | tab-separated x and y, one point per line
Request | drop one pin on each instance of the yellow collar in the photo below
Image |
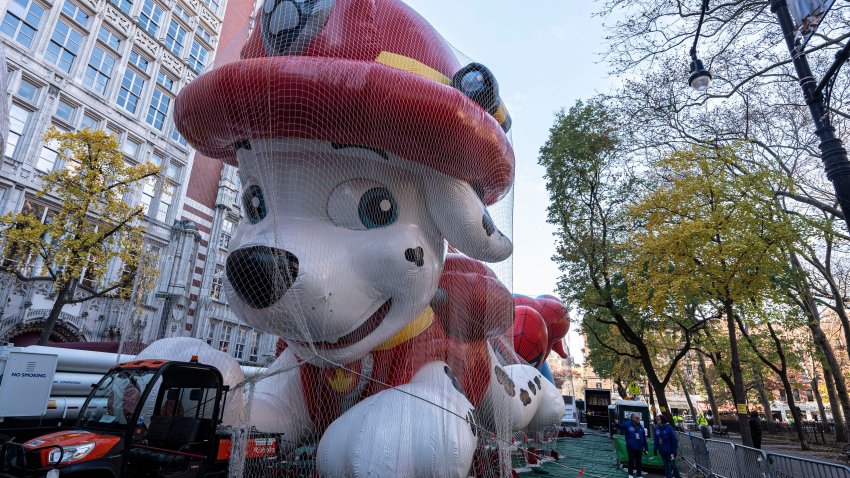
421	324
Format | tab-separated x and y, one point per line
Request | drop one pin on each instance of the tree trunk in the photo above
822	343
687	396
649	393
819	399
795	412
840	383
834	405
621	391
739	394
53	317
709	390
765	403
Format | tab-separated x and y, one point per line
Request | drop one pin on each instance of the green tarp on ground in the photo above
650	461
593	452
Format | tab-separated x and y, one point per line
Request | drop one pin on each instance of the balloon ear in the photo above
464	221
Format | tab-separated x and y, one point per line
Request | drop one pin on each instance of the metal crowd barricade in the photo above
752	463
686	453
701	458
721	455
785	466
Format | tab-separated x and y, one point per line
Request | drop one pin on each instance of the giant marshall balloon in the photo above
365	148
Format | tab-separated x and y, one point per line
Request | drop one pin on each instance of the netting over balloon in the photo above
376	171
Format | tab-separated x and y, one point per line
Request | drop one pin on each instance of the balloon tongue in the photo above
558	348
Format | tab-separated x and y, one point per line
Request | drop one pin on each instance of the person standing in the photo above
755	429
666	444
636	444
702	423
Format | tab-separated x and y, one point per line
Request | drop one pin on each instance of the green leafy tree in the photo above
590	186
708	239
92	226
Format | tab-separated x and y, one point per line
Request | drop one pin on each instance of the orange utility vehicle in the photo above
143	419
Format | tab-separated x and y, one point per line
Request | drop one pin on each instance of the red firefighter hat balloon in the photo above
354	72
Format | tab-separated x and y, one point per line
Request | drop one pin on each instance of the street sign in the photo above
808	15
634	389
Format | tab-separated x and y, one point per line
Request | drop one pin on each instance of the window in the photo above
150	17
254	354
28	91
18	119
796	394
217	281
175	38
176	136
204	34
131	90
197	56
99	70
156	159
173	171
123	5
810	396
598	384
148	192
166	199
241	338
158	109
139	61
90	123
226	334
65	112
63	47
212	328
75	13
22	21
226	232
108	38
111	130
182	14
213	4
47	159
165	81
130	148
782	396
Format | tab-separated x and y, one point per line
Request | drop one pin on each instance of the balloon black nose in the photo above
260	275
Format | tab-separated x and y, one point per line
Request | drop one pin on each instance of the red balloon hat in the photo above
371	73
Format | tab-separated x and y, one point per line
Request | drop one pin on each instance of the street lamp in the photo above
700	77
816	95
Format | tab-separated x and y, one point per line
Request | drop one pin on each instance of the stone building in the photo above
117	65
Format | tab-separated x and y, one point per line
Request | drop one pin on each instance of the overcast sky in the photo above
545	55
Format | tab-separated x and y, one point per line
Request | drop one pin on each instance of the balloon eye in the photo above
254	204
290	26
377	208
478	83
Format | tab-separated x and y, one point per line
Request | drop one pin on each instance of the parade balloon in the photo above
366	149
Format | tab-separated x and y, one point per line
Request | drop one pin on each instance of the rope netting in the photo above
375	172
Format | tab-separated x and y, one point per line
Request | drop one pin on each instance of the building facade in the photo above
118	65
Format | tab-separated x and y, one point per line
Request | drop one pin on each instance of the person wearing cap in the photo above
666	444
636	444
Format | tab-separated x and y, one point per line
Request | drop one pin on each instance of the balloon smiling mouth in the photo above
357	334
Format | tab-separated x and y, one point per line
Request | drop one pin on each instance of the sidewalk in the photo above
818	452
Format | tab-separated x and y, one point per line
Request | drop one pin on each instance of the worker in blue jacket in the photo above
636	444
666	444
